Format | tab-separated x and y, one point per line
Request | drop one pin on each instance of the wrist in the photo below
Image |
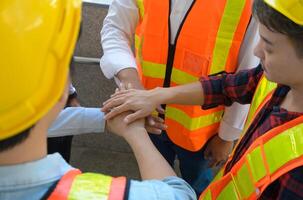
134	135
130	75
156	96
162	95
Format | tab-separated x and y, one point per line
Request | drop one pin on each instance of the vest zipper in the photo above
172	49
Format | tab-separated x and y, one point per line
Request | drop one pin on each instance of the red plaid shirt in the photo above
228	88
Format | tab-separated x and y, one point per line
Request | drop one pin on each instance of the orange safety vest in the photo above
77	186
208	42
263	162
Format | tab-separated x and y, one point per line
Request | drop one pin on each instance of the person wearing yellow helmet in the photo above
267	162
37	42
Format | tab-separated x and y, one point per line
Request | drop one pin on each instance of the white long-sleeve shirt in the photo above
117	37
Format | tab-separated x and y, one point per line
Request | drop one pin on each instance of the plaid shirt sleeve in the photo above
288	186
224	89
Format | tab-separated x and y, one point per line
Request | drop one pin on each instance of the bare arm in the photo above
189	94
151	163
130	76
143	103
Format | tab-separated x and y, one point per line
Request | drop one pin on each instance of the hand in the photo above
117	126
154	124
141	102
217	151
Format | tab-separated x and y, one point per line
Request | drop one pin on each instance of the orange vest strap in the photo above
117	190
63	187
215	189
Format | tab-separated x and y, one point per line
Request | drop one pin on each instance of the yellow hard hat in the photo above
293	9
37	39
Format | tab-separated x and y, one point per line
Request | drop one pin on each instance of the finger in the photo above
134	116
160	126
113	99
160	110
116	111
109	100
150	121
153	130
107	107
157	119
122	86
117	93
121	92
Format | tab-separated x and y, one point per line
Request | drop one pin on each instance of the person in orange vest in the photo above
176	42
37	43
267	162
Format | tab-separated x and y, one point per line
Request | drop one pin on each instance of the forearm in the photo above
151	163
189	94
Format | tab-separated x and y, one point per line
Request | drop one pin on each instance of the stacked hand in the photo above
119	127
140	102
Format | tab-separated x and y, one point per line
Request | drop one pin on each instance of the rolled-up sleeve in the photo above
117	37
172	188
233	121
227	88
234	116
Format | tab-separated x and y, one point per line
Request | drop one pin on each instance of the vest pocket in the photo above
195	64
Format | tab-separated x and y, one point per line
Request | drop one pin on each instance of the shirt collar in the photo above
45	170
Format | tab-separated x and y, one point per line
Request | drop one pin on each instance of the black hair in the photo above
11	142
277	22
